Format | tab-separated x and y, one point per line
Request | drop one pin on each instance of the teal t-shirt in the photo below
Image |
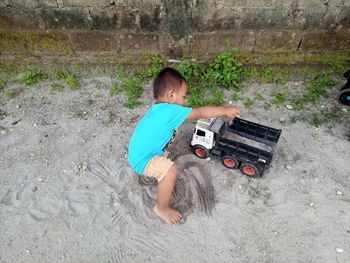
153	133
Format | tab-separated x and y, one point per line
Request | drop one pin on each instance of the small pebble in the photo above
230	102
32	154
208	159
34	189
282	119
289	167
289	107
17	106
322	106
4	131
240	187
339	250
35	124
315	135
40	179
344	110
339	192
312	204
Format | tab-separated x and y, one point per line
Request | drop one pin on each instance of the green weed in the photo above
115	90
11	94
196	96
224	72
317	89
66	76
236	96
324	116
2	83
156	65
132	88
32	77
279	99
191	70
57	87
248	102
217	97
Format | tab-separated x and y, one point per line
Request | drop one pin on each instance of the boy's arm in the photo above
213	111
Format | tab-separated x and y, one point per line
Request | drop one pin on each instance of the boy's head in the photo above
170	87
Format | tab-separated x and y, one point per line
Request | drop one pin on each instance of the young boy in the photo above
155	131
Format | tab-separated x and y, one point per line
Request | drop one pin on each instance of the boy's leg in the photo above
165	190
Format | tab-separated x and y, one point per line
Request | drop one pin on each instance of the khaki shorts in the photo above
158	167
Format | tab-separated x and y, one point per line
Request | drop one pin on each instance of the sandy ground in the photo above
68	195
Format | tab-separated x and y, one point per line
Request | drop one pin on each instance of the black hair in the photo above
168	78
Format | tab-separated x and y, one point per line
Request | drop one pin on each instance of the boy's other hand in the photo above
233	111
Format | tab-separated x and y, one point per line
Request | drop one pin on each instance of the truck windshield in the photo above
200	133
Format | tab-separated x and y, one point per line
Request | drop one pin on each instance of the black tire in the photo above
200	151
230	162
344	97
250	170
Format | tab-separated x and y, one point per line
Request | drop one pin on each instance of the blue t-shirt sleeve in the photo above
178	115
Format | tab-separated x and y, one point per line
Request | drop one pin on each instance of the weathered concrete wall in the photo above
176	26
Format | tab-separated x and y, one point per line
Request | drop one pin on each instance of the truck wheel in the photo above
344	97
249	170
200	151
230	162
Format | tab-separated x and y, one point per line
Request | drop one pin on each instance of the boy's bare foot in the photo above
170	215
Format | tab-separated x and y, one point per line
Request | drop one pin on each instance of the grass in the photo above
156	65
2	82
248	102
131	87
324	116
67	77
32	77
11	93
316	89
57	87
279	99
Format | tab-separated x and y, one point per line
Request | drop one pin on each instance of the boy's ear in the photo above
170	94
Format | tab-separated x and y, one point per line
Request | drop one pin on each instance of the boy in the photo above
155	131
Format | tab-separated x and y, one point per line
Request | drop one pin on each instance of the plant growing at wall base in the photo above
156	65
68	77
224	72
32	77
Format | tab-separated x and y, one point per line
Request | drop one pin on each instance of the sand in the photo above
67	193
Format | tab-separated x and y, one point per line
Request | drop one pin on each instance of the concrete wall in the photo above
174	27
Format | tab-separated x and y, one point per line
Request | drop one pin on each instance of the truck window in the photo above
200	133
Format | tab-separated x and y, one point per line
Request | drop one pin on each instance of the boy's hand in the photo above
233	111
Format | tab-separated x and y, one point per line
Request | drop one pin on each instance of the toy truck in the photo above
242	144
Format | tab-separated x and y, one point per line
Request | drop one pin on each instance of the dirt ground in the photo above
67	193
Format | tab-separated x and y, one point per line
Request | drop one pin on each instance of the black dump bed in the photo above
254	131
264	135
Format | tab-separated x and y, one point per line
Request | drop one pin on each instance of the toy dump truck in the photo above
242	144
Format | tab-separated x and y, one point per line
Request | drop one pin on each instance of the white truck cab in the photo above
202	135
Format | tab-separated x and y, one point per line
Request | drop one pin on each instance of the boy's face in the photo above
179	96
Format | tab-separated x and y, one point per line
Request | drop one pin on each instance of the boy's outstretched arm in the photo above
213	111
